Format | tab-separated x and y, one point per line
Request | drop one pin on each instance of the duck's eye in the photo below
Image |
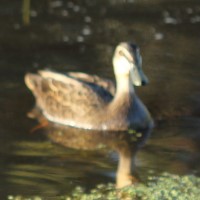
128	57
121	53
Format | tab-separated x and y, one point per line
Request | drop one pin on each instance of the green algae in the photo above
165	187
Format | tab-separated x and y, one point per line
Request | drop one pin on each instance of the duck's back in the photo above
67	100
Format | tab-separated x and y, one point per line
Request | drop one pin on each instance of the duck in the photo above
90	102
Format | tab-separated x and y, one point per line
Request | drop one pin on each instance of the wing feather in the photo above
94	79
65	98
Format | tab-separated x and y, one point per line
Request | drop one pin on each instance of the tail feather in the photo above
32	80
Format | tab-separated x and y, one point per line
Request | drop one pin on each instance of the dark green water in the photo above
81	36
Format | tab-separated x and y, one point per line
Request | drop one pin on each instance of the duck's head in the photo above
127	61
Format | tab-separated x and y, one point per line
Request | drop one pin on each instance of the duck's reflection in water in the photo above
126	144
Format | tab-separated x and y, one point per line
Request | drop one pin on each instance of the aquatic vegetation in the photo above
165	187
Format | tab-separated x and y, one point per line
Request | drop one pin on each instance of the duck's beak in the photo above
137	76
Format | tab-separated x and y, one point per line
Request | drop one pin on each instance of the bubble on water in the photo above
195	19
87	19
76	8
70	4
64	13
80	38
86	31
56	4
65	38
189	10
168	19
17	26
33	13
158	36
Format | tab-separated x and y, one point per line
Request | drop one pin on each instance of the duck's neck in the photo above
124	86
124	95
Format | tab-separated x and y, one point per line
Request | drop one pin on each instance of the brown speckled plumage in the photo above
91	102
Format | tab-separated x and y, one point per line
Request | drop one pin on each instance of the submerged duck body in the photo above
90	102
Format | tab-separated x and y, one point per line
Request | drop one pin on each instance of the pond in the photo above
81	36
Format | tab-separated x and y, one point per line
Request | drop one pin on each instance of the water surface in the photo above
81	36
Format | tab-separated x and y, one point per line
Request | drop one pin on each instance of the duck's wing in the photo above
96	80
63	98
